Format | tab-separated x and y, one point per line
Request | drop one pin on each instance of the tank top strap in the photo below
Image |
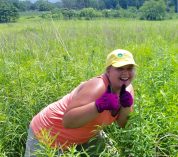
105	79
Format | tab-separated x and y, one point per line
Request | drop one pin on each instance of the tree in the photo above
111	4
42	5
123	3
68	4
88	13
68	13
176	5
94	4
24	5
8	12
153	10
101	4
135	3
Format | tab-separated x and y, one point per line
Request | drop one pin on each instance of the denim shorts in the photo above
33	145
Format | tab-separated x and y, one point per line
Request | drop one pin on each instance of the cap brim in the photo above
120	64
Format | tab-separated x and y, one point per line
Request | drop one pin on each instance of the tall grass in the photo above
40	61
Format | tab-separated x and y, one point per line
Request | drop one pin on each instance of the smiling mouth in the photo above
124	79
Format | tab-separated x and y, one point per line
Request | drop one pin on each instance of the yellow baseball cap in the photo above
119	58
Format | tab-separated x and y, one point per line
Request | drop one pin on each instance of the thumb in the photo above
122	89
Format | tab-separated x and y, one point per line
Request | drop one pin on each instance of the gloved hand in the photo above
126	99
108	101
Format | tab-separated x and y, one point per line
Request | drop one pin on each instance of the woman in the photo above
75	118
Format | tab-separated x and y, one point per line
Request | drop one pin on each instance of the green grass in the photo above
40	61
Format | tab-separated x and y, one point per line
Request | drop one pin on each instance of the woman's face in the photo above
120	76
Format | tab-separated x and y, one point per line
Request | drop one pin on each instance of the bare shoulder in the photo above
87	92
93	87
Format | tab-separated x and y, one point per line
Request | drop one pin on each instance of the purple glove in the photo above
108	101
126	99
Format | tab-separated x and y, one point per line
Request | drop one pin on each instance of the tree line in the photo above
148	9
45	5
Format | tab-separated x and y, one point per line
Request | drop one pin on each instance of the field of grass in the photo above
40	61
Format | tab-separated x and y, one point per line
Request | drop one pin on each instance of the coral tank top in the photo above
49	121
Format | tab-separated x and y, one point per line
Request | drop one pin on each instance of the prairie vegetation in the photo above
42	60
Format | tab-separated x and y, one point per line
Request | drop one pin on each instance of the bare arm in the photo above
82	108
79	116
124	112
123	116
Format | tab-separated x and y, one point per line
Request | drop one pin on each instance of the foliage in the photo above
24	6
8	12
69	13
89	9
57	14
131	12
153	10
43	5
40	61
88	13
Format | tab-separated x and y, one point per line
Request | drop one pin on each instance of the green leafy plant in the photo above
40	61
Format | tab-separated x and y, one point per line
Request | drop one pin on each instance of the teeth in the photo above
124	78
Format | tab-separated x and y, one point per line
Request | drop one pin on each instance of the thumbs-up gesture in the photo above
108	101
126	99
